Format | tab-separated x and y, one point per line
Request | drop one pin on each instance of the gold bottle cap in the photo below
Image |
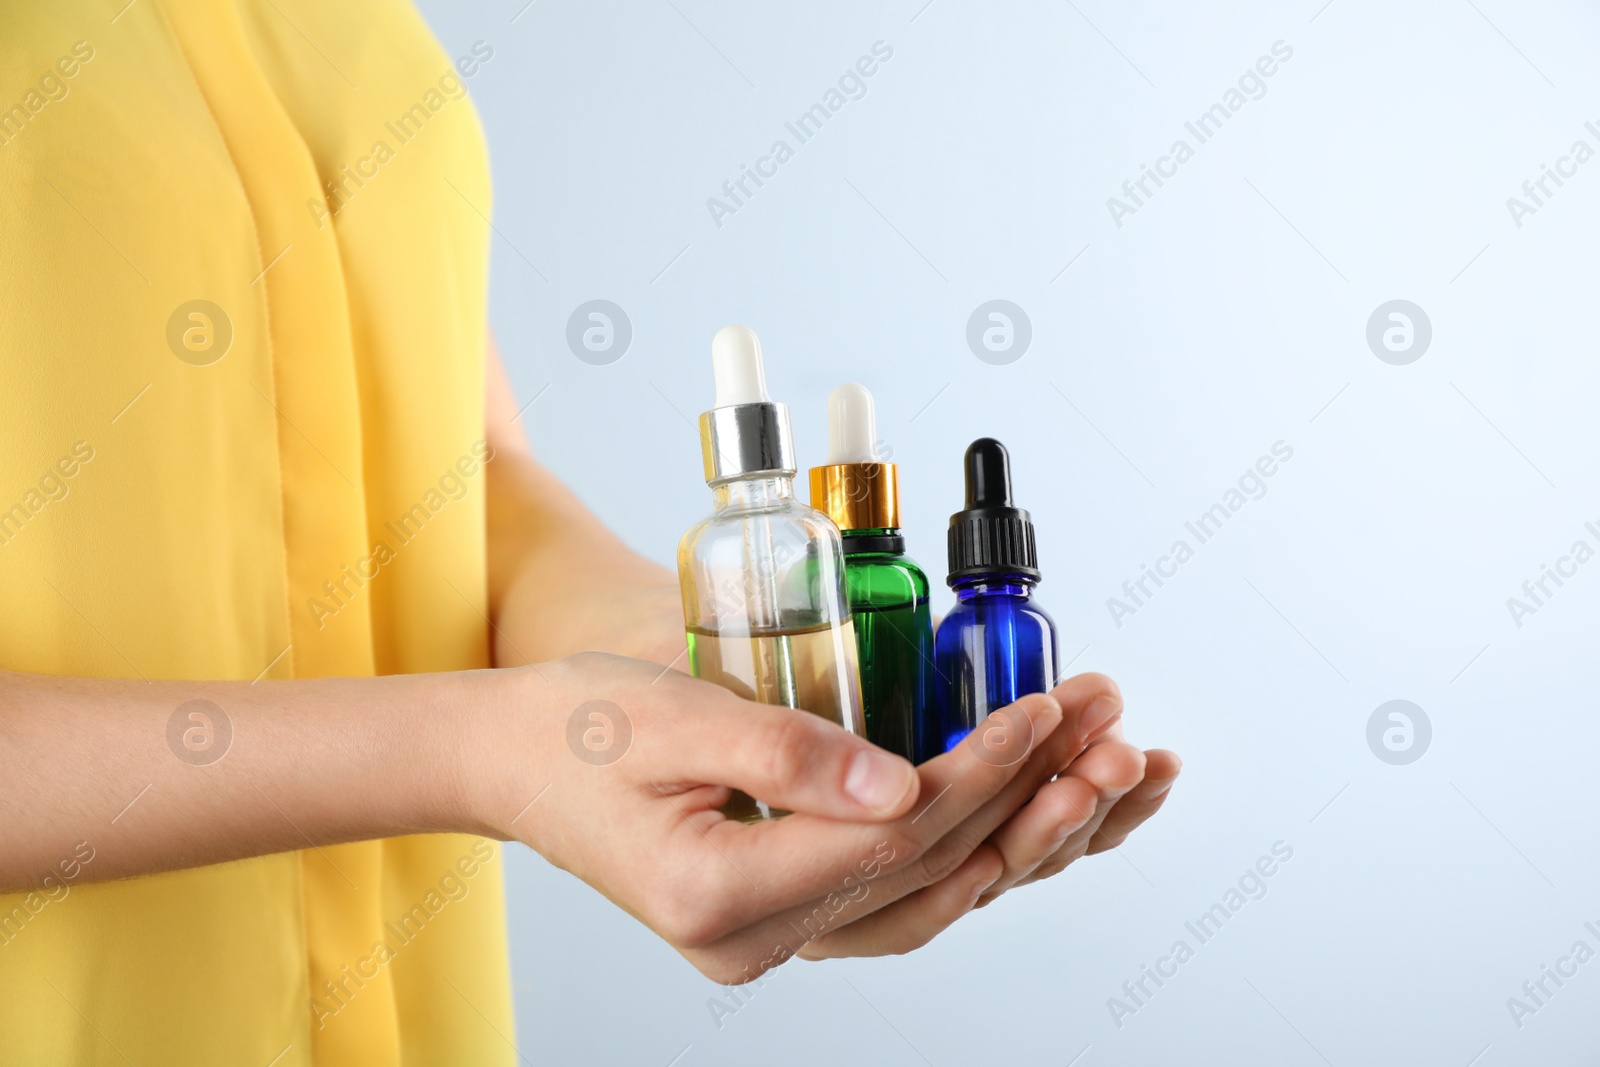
853	489
858	496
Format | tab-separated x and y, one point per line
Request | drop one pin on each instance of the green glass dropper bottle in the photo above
887	591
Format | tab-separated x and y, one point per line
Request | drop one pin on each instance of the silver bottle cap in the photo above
746	440
746	433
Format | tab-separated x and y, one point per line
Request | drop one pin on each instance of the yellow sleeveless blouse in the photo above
243	255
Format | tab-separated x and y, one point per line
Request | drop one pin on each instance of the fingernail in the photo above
877	781
1163	787
1102	710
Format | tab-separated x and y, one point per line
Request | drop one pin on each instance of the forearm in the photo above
555	571
559	581
125	769
539	527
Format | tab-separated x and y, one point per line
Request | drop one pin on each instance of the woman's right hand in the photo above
614	769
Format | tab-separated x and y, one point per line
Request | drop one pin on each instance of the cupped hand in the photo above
1100	795
619	774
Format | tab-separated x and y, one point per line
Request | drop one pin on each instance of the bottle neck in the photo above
994	585
887	541
750	494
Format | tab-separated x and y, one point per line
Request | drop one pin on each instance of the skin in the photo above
878	858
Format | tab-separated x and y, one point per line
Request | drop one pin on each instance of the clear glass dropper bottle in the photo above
763	576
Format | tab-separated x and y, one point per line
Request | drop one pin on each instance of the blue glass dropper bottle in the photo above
996	645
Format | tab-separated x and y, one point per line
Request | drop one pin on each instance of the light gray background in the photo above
1228	313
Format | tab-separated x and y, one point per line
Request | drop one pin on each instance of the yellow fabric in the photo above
309	504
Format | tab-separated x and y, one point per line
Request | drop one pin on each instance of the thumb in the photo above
790	759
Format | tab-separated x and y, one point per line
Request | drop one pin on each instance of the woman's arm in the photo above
166	775
97	777
559	581
145	779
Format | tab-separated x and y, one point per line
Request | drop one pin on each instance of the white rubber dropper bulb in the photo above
852	425
736	367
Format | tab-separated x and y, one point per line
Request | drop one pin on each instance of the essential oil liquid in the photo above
813	670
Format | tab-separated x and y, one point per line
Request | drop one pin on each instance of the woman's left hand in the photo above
1096	802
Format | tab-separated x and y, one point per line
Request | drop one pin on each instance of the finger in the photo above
1111	768
1089	714
967	793
792	760
759	884
1160	773
1061	810
1093	708
1040	828
805	765
1106	771
914	920
1119	815
1115	769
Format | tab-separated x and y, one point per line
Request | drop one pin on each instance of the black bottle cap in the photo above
990	536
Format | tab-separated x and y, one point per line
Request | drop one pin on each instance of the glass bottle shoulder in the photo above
787	523
760	562
989	608
885	579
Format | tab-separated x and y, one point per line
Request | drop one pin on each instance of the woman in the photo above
267	515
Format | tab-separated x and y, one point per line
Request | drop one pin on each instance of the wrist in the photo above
488	746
